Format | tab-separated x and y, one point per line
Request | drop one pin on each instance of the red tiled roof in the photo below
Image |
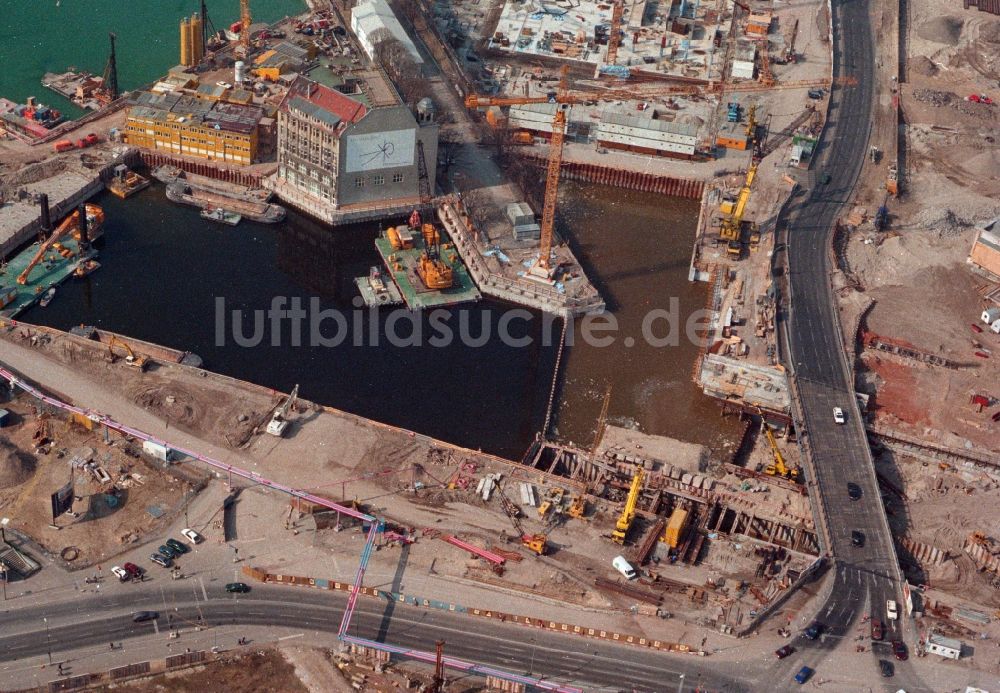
344	107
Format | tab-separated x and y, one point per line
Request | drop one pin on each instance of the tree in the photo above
390	54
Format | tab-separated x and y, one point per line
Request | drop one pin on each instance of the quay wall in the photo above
208	169
629	180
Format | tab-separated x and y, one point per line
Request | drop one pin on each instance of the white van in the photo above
624	567
891	611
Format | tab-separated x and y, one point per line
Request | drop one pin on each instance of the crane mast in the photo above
245	20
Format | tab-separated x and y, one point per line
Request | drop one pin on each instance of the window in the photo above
359	182
397	177
378	180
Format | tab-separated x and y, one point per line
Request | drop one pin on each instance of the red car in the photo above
133	570
783	652
877	630
899	650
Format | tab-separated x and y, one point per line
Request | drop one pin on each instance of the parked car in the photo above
120	573
168	551
853	491
891	610
826	178
192	535
160	559
838	413
899	650
783	652
624	567
814	630
140	616
133	570
805	673
877	630
178	546
238	587
857	538
886	669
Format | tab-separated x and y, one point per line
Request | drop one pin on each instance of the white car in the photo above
192	535
224	85
120	573
891	611
838	415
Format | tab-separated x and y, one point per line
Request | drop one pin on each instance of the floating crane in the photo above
108	91
778	467
70	225
279	421
628	512
537	543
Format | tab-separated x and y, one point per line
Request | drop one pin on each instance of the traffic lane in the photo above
550	654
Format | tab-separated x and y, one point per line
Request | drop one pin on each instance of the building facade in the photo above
335	152
186	125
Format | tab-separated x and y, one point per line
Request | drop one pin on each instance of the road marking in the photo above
204	592
289	637
156	626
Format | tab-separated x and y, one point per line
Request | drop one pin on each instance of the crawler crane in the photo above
628	512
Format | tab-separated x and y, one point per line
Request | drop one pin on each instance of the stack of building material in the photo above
523	221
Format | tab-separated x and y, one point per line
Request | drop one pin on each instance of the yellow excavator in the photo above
628	512
131	358
778	467
71	224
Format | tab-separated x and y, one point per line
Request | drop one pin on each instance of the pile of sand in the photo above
924	66
946	30
16	466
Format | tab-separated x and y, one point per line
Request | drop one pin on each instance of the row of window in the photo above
361	181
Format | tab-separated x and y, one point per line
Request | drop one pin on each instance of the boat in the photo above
376	291
259	211
127	182
85	267
222	216
167	174
47	297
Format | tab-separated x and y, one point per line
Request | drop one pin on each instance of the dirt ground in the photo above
924	292
110	514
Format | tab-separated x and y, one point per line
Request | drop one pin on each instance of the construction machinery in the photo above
628	512
434	272
537	543
93	219
245	21
131	358
578	507
615	32
675	528
731	229
108	90
279	419
778	467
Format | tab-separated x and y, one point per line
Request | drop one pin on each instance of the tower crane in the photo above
279	421
245	20
537	543
614	33
628	512
564	97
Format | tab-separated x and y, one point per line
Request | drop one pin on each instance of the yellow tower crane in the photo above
245	21
628	512
614	33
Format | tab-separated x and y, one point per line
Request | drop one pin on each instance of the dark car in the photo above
133	570
877	630
783	652
805	673
178	546
160	559
857	538
825	178
853	491
885	668
814	630
899	650
238	587
140	616
168	551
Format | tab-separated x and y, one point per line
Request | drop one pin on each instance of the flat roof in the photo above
174	106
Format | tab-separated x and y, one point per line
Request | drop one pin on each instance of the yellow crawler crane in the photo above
628	512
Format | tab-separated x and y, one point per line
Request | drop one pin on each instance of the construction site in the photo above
643	536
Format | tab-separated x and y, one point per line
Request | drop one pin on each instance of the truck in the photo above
63	145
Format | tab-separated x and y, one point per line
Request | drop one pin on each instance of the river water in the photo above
164	269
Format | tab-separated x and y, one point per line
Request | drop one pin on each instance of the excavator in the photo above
537	543
131	358
628	512
71	224
778	467
279	421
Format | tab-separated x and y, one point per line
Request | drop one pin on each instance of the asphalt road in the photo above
96	620
865	576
